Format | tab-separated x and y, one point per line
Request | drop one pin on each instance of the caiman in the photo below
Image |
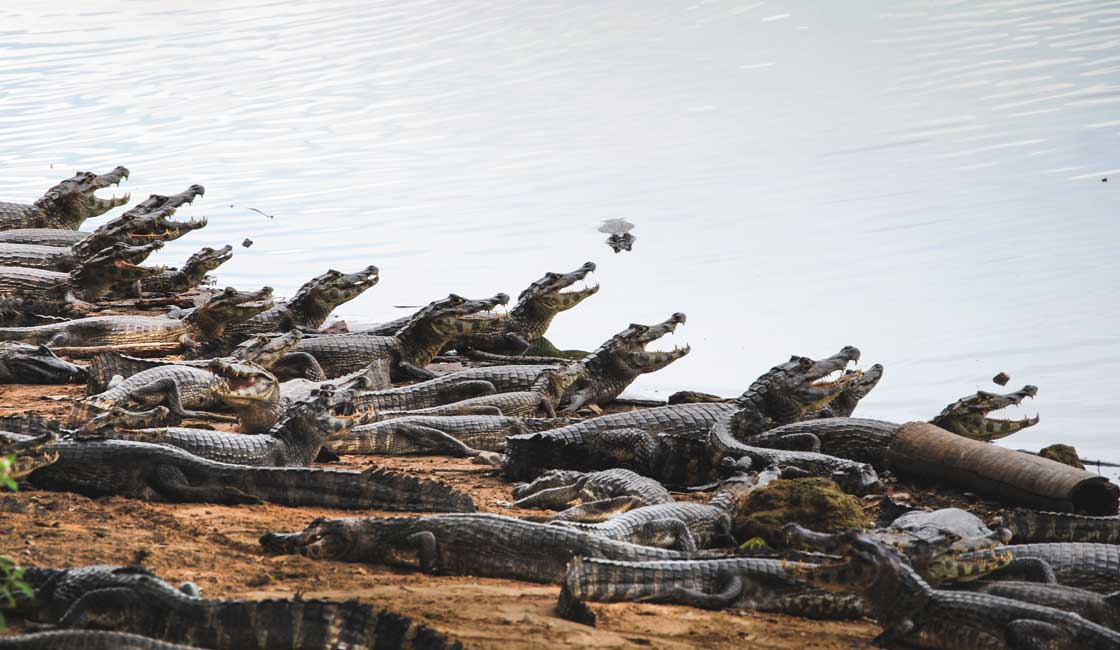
180	280
1095	567
649	441
1037	526
683	526
94	277
67	204
86	640
455	435
134	600
914	613
87	336
408	351
865	440
294	441
599	494
21	363
158	472
759	584
264	350
1100	609
187	391
309	308
475	544
28	454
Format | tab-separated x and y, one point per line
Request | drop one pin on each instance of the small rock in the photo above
247	243
1064	454
1002	378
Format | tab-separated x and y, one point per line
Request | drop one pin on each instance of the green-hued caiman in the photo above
744	583
672	442
455	435
158	472
1037	526
67	204
413	347
87	336
263	350
473	544
529	319
684	526
134	600
294	441
865	440
600	494
94	277
21	363
912	612
246	388
309	308
179	280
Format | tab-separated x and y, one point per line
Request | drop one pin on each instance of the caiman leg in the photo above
675	529
415	372
435	440
166	392
1029	634
731	587
425	543
170	481
595	511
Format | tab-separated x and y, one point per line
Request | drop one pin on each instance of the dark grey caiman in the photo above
1037	526
309	308
456	435
132	599
94	277
294	441
744	583
87	336
159	472
187	392
1100	609
672	443
108	367
408	351
1095	567
912	612
600	494
473	544
67	204
21	363
684	526
180	280
865	440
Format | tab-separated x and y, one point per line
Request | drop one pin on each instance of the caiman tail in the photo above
374	489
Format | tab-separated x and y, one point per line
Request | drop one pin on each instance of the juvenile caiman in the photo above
912	612
474	544
158	472
670	442
865	440
309	308
684	526
294	441
187	391
600	494
760	584
134	600
94	277
87	336
180	280
67	204
456	435
263	350
21	363
408	351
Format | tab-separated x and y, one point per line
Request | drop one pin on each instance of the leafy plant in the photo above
11	575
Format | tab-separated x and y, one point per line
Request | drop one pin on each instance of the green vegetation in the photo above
11	575
816	503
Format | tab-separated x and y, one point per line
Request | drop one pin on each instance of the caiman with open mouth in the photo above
66	205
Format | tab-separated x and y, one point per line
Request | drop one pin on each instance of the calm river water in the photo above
920	179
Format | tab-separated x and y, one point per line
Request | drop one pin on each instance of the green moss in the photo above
1064	454
542	347
816	503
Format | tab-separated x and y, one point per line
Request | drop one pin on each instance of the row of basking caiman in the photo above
939	579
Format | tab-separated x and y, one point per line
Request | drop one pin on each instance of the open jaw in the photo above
209	258
462	316
968	416
827	378
159	225
246	382
76	194
651	360
350	285
559	291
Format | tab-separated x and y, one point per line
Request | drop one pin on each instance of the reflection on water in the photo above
920	179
